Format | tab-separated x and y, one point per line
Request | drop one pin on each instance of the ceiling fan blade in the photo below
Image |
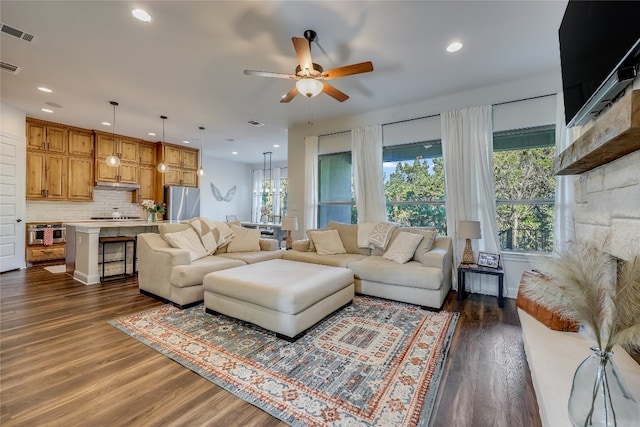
334	93
269	74
348	70
304	52
289	96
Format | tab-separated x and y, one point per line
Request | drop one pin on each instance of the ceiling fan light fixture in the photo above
309	87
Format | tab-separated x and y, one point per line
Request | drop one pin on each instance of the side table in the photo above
473	268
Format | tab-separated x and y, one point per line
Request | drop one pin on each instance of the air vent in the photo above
256	124
16	33
9	68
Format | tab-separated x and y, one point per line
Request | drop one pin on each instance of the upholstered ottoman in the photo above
286	297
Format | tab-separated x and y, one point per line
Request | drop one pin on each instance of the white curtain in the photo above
310	182
563	227
467	145
366	152
256	205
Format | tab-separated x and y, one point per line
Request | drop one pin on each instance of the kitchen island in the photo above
83	248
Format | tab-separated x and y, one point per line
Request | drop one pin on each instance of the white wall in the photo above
507	116
225	174
12	121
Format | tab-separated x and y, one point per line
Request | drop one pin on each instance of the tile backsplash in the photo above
103	203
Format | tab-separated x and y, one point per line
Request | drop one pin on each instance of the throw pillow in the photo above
428	238
244	240
224	233
328	242
403	248
206	233
187	240
349	236
312	247
381	234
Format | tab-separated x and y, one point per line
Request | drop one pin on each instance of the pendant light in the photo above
162	166
113	160
201	172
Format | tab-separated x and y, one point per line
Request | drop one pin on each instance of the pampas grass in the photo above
585	290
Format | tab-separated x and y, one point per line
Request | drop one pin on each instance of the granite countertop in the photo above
110	223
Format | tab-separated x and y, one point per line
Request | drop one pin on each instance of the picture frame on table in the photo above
486	259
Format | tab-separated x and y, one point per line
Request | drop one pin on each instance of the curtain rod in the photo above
436	115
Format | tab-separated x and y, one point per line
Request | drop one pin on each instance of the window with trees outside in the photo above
414	184
525	188
335	189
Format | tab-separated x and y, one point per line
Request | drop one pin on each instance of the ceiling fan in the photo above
310	77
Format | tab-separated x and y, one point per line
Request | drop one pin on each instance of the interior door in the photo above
12	205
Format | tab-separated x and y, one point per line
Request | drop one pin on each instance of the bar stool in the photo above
123	240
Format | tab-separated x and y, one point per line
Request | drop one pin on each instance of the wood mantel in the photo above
614	134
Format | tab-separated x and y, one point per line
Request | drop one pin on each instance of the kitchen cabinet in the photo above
46	136
46	176
147	153
45	253
80	182
146	178
125	173
183	165
124	147
80	143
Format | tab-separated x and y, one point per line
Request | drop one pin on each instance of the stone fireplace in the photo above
605	157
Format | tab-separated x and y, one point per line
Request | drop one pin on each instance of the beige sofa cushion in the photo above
183	276
412	273
403	248
341	260
349	236
253	257
244	239
425	246
187	240
328	242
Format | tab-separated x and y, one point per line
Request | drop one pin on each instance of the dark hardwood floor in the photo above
62	364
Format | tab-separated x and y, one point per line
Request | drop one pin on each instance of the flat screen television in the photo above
599	55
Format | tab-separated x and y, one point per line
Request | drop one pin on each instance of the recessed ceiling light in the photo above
141	15
46	110
151	134
454	47
106	123
185	141
234	152
276	145
44	89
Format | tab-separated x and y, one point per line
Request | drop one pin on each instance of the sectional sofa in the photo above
172	274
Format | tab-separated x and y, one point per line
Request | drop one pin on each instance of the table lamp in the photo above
468	230
289	223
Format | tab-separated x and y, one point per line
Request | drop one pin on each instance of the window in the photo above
525	188
414	184
269	195
335	192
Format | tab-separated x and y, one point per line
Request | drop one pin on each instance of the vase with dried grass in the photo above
604	297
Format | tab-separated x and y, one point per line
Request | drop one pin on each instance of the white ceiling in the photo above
188	62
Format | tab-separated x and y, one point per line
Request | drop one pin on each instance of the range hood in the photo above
117	186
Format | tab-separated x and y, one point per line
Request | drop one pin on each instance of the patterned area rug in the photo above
373	363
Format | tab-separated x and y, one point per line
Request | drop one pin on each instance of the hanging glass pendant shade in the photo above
201	172
162	166
113	160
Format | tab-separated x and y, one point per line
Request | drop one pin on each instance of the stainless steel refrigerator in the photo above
182	202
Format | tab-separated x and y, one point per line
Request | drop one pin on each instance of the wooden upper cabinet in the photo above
189	178
128	173
46	176
173	177
173	156
80	143
125	148
46	136
128	150
80	182
105	146
189	159
147	154
105	173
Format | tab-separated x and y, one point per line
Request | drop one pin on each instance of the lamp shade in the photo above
309	87
289	223
469	230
